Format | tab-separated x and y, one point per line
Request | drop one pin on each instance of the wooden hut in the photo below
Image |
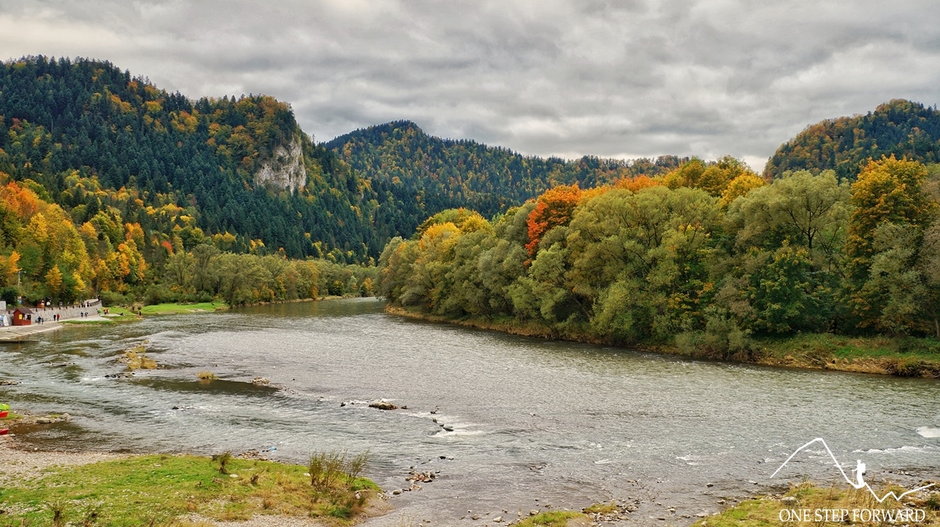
22	316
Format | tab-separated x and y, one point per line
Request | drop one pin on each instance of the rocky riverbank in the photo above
17	462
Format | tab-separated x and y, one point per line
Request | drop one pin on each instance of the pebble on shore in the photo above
16	462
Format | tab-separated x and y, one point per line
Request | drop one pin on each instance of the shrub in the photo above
223	460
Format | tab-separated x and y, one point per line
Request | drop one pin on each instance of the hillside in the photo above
97	141
239	172
899	127
435	174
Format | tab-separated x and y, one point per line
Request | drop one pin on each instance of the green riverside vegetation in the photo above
708	260
179	490
176	309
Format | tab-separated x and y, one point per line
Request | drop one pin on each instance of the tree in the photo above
889	191
785	293
650	246
802	210
740	186
713	178
54	282
929	265
553	208
896	287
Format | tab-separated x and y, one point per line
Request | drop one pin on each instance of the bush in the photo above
112	298
329	468
722	339
160	294
9	295
223	460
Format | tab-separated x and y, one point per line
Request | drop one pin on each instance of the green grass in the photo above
602	508
551	519
175	309
80	322
158	489
844	347
124	314
907	356
765	511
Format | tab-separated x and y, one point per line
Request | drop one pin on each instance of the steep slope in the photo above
83	130
899	127
425	174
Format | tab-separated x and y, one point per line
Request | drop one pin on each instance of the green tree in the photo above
801	210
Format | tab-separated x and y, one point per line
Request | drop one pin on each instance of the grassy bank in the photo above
184	490
909	357
177	309
556	519
772	510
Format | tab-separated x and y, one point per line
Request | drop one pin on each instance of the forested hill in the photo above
436	174
112	148
901	128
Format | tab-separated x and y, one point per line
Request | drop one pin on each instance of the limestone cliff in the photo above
284	170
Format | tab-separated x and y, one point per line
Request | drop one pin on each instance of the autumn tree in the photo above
553	208
713	178
889	197
887	190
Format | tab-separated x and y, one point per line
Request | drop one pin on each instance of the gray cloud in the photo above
611	78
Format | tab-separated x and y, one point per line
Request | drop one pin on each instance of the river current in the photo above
508	423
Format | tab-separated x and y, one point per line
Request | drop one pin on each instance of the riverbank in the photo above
832	506
908	357
90	488
802	504
23	333
118	313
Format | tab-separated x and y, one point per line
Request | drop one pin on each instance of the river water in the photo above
509	423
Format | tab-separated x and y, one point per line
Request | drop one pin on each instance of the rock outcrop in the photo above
284	170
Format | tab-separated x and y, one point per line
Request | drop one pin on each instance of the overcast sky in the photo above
611	78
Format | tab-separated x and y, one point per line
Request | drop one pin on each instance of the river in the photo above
509	423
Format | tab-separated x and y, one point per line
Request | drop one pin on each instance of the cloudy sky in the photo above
613	78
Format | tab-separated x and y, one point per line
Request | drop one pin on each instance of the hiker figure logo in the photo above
857	482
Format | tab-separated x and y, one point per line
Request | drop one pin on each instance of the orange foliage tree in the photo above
554	207
638	183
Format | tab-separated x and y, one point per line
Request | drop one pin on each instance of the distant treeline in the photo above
206	273
426	174
707	256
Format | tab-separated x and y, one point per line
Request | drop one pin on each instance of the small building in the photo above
22	316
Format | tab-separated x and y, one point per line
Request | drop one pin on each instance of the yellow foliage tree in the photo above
54	281
740	186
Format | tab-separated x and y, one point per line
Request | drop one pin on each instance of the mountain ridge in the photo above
440	173
899	127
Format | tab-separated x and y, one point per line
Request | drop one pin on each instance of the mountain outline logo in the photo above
859	471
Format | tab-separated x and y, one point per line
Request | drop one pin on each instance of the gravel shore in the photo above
16	463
